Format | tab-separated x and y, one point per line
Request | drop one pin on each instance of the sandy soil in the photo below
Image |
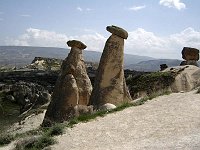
167	122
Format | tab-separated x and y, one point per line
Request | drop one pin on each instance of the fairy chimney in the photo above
110	86
73	86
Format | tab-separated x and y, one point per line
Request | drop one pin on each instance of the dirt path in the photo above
167	122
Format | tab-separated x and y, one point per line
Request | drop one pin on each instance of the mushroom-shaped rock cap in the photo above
76	43
189	53
117	31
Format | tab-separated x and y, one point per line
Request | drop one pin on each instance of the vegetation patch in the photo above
149	83
55	130
9	112
6	139
35	143
42	142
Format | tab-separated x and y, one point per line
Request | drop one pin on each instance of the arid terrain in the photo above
167	122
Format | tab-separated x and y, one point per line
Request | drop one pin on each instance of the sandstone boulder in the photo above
190	54
187	78
110	85
107	106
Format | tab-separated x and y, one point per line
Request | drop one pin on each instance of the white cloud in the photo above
82	9
173	4
37	37
136	8
139	42
142	42
25	15
79	8
88	9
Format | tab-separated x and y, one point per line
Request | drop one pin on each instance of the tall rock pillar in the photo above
110	85
73	86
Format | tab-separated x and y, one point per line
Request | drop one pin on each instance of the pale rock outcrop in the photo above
110	85
187	78
73	86
107	106
191	56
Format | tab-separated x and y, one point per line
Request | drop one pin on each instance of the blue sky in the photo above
157	28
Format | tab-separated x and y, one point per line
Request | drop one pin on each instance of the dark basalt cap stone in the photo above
117	31
189	53
76	43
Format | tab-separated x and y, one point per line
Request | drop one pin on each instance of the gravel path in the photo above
165	123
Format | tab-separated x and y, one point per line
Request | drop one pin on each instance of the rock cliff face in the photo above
110	85
72	88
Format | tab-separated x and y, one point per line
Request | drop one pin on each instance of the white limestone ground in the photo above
167	122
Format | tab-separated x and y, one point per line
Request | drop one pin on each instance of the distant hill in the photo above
22	55
153	65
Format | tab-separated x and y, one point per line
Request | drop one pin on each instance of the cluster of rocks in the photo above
27	95
43	63
73	90
190	55
73	93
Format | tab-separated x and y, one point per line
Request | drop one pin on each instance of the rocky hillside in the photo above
23	55
154	65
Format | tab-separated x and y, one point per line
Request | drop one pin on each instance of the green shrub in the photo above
150	83
35	143
43	142
57	129
122	107
6	139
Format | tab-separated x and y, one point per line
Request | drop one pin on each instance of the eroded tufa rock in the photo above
189	53
72	88
110	85
78	44
191	56
117	31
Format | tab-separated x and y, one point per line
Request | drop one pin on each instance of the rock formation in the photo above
191	56
187	78
26	94
110	86
72	88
